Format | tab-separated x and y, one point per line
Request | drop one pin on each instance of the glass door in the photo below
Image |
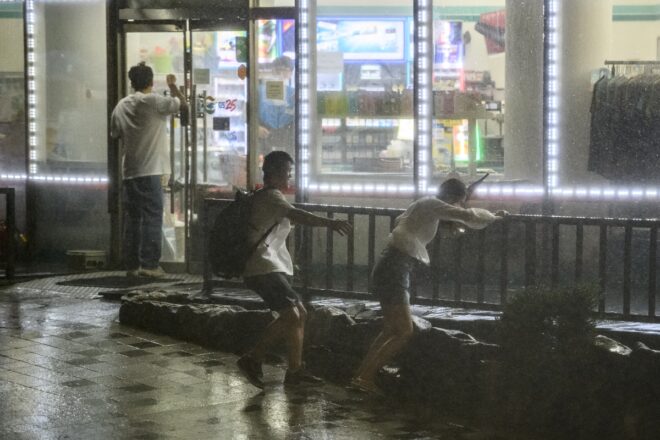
164	52
208	147
275	100
220	87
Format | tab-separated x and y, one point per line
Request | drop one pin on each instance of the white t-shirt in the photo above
269	207
416	227
140	121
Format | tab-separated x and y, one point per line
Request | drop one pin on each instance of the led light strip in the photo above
303	122
552	97
424	91
54	178
30	21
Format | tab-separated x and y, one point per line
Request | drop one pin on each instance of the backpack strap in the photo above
267	233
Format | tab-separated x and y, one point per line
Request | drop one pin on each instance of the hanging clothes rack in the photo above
634	66
624	133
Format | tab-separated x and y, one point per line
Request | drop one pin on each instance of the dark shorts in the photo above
391	276
275	289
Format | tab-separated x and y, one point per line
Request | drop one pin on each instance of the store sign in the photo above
221	124
202	76
275	90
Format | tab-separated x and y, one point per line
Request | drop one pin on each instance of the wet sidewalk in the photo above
69	370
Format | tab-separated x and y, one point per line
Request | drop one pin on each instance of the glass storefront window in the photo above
364	92
12	90
487	90
468	90
70	89
609	84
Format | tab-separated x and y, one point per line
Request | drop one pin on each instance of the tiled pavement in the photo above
69	370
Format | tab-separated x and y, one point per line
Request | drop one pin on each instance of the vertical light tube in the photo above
31	86
552	59
423	93
303	97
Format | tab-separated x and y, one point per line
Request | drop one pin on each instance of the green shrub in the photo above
547	338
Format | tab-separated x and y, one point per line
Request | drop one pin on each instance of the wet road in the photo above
69	370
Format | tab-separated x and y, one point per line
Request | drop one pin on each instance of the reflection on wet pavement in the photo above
68	369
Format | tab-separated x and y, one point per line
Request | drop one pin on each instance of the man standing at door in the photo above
277	107
140	121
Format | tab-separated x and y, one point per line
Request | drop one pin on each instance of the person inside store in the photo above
139	120
277	108
269	269
405	248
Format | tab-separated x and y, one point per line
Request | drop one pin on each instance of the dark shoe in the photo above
300	377
361	386
251	369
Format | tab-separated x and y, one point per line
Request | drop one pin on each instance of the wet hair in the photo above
283	63
141	76
452	190
275	161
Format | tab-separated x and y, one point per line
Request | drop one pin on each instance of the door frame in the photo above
185	20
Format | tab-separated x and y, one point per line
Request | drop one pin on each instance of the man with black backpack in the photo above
269	268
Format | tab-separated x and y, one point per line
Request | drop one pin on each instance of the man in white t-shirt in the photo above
269	269
140	120
406	246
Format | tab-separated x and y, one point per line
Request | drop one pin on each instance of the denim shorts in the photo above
275	289
391	276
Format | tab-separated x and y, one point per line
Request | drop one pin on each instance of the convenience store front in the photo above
382	102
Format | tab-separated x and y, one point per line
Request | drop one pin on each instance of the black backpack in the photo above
228	242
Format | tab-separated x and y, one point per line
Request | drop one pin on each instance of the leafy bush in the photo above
547	340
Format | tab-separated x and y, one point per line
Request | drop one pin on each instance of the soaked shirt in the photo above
416	227
269	208
140	120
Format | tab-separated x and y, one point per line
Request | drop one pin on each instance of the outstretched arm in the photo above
302	217
475	218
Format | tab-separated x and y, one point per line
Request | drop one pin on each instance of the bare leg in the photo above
397	329
284	326
295	338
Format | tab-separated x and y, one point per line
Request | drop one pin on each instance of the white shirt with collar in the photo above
140	121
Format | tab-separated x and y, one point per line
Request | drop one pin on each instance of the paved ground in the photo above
69	370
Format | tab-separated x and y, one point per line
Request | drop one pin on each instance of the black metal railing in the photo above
480	269
9	251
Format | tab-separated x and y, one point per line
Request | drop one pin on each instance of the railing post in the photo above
10	209
504	262
579	246
627	257
602	267
350	257
653	255
530	254
206	284
329	260
554	270
372	247
458	274
481	265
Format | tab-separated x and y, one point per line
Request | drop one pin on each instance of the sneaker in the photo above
300	376
158	272
133	273
361	386
251	369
